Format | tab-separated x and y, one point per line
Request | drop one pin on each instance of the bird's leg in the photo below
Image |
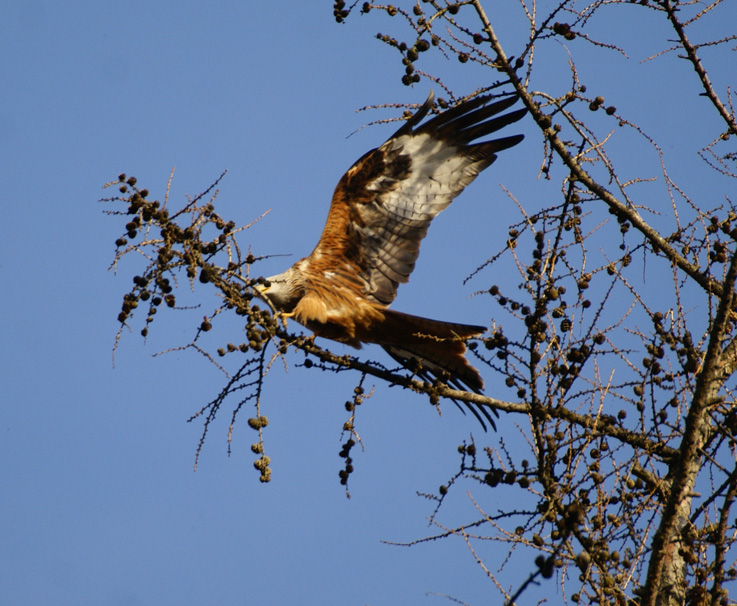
283	315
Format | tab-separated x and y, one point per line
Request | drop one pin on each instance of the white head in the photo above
283	290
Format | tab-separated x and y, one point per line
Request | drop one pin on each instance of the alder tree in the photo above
613	349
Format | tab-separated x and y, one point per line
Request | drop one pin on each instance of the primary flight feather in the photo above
381	210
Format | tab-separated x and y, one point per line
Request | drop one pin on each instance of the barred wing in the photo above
383	206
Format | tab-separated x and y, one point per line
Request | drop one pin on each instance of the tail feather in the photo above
434	349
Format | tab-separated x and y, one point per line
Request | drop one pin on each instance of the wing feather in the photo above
383	206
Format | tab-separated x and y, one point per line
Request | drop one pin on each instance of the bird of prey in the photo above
380	211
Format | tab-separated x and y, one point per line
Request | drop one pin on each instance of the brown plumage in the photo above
381	210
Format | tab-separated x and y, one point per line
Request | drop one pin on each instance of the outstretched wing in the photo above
383	206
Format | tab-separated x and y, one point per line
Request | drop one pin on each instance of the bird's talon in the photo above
283	315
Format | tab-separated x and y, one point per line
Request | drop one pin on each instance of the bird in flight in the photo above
381	210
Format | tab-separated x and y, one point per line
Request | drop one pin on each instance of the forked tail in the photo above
434	349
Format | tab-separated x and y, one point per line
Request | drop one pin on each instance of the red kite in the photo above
381	210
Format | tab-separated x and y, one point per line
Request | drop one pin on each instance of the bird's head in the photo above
283	290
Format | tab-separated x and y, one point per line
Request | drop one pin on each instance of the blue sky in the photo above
100	503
